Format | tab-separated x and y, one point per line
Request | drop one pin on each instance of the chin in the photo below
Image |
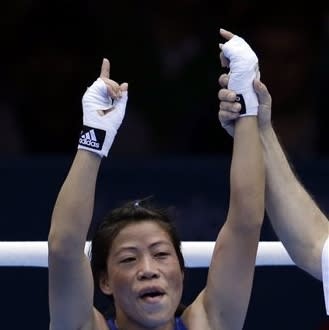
157	317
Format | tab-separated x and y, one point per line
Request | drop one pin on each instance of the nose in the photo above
147	270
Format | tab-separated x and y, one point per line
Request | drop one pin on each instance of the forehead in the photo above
147	232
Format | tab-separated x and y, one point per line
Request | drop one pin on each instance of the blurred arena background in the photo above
171	144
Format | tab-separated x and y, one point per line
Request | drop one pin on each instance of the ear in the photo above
104	284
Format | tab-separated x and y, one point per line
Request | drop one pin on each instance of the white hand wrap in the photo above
243	70
99	129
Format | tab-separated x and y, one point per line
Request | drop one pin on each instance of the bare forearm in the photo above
247	170
236	246
295	217
73	210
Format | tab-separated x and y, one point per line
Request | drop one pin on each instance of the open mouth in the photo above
151	295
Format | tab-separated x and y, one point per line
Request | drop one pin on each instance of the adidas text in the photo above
88	142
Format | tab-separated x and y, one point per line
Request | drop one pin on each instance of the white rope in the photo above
196	254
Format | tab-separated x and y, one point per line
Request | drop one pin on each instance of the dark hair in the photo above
119	218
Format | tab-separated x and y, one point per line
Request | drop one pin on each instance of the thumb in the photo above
263	95
105	69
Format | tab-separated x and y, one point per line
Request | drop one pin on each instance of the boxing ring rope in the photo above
197	254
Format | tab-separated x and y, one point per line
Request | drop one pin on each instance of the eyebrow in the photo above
134	248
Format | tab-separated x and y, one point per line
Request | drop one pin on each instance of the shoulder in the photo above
100	322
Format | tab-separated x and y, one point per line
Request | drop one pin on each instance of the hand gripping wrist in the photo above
99	127
243	71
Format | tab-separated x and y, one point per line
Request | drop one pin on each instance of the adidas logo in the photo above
89	139
92	138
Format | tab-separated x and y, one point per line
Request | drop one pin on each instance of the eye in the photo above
162	255
127	260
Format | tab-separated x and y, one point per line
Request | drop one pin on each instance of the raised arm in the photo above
229	284
70	278
296	218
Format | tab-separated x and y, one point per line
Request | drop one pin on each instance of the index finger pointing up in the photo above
105	70
226	34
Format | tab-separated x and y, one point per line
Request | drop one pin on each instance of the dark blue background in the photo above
283	297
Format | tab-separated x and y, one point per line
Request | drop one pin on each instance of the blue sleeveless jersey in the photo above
179	325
